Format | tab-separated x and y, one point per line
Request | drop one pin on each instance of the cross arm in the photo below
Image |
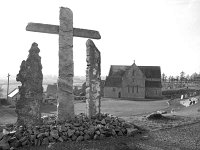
43	28
54	29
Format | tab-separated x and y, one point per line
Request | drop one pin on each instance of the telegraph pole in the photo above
8	85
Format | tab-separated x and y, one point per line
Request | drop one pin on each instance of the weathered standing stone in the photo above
66	66
31	90
93	78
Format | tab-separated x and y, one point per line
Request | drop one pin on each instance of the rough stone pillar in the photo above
66	66
31	90
93	79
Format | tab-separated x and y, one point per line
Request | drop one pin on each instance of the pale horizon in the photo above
163	33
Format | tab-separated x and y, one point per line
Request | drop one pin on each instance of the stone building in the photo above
133	82
50	96
51	91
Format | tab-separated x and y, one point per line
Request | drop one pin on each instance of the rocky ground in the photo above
182	137
166	133
170	132
80	129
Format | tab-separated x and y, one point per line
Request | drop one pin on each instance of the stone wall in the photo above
112	92
133	83
93	79
153	92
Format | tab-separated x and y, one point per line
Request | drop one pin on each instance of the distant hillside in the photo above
78	80
47	79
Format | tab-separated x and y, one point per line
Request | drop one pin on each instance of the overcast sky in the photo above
162	33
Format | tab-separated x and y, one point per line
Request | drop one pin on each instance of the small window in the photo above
133	89
137	89
128	89
114	89
133	73
156	92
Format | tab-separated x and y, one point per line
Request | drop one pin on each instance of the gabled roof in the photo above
113	81
153	84
117	70
148	71
151	71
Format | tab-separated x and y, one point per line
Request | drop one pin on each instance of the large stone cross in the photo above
66	32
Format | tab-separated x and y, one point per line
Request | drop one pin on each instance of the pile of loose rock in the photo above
80	129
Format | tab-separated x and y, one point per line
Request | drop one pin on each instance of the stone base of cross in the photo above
66	32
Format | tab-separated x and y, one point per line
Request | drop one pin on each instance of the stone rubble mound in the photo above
79	129
155	116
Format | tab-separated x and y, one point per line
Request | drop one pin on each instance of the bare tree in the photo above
177	78
182	75
193	76
187	77
164	77
170	78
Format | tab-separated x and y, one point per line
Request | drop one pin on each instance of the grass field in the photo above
121	108
7	115
125	107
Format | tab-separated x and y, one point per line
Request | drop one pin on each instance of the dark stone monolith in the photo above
31	90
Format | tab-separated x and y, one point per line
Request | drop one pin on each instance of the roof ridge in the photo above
148	66
121	65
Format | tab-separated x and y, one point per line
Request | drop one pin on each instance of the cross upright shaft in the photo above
66	65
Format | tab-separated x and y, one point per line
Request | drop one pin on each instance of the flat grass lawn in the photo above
125	108
121	108
7	115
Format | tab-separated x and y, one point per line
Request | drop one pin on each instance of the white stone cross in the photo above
66	32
